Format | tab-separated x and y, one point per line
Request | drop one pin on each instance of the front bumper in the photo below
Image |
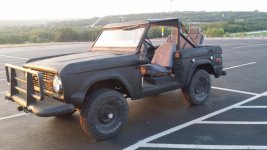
29	99
223	73
46	108
219	71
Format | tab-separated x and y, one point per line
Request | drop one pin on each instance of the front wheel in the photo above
199	88
104	113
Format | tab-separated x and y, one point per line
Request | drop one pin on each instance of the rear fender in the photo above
194	68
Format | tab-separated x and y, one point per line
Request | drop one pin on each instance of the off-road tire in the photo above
104	113
198	90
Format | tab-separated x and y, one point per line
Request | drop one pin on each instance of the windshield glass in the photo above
120	38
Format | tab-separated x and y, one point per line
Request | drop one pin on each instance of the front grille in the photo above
48	80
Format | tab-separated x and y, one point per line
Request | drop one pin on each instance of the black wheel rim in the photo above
109	113
201	88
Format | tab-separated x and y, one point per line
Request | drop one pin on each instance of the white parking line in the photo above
193	146
2	92
2	79
14	57
239	66
253	45
8	117
253	107
240	44
179	127
233	122
236	91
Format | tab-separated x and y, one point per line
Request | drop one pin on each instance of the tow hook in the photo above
9	98
27	111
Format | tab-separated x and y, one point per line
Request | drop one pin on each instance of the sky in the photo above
76	9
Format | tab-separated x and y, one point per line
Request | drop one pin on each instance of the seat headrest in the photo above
172	38
174	31
194	30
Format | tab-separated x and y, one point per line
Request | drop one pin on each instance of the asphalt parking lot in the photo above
234	117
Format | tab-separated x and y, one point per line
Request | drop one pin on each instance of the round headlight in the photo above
57	85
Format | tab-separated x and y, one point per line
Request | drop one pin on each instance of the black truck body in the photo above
59	85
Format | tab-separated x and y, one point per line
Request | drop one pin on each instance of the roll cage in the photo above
172	22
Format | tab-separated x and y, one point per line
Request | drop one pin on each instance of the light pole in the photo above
171	4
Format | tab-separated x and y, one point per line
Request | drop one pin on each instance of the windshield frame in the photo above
167	22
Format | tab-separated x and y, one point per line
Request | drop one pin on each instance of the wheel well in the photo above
110	84
206	67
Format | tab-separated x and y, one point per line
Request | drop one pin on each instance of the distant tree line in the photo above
214	24
224	28
186	17
19	35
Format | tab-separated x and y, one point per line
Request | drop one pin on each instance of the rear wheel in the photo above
104	113
199	88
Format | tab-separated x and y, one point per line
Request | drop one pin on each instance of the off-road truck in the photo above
124	62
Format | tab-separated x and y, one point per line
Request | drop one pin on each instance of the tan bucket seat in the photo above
162	62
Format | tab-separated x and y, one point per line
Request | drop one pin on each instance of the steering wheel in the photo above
147	41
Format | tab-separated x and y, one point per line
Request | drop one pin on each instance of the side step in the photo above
159	85
159	80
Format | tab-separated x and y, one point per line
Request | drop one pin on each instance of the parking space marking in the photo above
14	57
235	91
247	46
240	44
179	127
181	146
239	66
2	79
253	107
193	146
12	116
233	122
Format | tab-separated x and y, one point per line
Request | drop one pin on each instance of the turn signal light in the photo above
218	60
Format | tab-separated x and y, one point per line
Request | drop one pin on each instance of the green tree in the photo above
214	32
66	35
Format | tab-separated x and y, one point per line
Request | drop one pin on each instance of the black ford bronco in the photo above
127	60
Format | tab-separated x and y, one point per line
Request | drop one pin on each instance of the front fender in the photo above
110	77
80	84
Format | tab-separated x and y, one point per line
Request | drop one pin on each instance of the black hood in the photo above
82	62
